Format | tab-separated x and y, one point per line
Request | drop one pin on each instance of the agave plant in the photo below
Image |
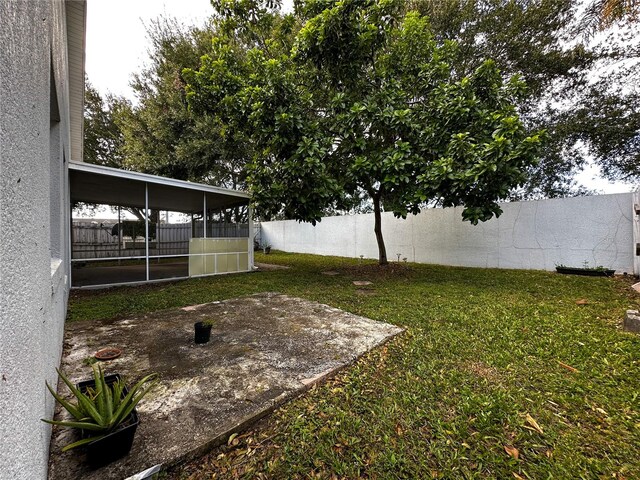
102	408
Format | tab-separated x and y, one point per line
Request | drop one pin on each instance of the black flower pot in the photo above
116	444
203	332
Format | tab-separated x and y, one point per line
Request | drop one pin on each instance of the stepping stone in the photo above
631	321
365	291
362	283
330	273
636	287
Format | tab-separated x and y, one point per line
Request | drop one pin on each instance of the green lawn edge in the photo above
488	357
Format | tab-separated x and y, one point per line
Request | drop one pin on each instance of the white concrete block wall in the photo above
33	229
636	232
528	235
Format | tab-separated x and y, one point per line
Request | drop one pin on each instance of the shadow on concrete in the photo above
264	350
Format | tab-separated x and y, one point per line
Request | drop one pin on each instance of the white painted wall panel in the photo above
528	235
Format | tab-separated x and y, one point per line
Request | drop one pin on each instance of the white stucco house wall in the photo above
41	102
42	52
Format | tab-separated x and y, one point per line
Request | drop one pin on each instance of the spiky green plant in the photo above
100	409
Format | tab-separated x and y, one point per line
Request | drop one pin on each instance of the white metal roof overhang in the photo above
76	18
110	186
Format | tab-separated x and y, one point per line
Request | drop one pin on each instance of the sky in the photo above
117	47
117	41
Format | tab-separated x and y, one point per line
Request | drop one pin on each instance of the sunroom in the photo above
131	228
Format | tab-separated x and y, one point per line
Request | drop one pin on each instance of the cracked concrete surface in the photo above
264	350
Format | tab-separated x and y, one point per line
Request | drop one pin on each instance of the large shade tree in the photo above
161	135
582	90
366	100
543	42
104	142
103	139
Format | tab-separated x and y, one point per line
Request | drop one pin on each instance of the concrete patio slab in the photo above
264	350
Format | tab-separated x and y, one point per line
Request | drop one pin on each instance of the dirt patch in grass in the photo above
483	370
373	271
623	284
270	266
365	291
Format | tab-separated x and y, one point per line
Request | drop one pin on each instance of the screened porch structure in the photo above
157	228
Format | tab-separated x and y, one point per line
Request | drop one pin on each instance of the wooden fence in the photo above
95	240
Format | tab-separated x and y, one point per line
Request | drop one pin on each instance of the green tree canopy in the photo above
365	100
103	139
602	14
161	135
583	92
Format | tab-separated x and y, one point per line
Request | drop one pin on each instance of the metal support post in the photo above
146	225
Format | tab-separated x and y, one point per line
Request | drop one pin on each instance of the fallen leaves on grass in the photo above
512	451
232	439
534	425
568	367
375	271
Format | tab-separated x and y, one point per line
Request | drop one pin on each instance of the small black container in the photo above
203	332
118	443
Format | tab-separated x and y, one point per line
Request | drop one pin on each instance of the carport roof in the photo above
111	186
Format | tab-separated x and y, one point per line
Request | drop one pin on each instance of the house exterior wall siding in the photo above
33	227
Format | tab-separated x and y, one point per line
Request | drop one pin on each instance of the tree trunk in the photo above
382	251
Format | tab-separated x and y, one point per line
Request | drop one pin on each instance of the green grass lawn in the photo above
492	362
